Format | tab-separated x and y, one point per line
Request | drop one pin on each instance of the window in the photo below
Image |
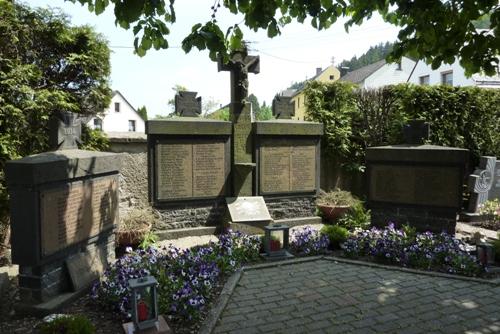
298	102
424	80
447	78
131	125
399	68
97	124
117	106
332	77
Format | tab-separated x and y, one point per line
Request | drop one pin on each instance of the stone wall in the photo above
293	207
191	215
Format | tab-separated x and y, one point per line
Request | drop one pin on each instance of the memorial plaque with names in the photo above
190	170
287	166
77	212
410	184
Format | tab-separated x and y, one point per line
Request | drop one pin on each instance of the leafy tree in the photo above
142	111
255	103
435	31
46	65
298	85
208	105
265	113
374	54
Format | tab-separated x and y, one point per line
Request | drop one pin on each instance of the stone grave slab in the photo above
480	182
494	192
248	214
85	268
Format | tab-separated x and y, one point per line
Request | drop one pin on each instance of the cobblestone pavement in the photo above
331	297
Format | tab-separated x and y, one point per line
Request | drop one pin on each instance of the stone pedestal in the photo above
243	163
416	184
64	209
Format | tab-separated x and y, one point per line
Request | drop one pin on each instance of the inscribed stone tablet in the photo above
495	187
85	268
287	166
76	212
248	209
419	185
175	171
208	170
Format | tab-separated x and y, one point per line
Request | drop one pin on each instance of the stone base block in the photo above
54	305
292	222
160	328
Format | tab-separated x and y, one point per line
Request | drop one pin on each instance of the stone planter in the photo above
132	237
333	213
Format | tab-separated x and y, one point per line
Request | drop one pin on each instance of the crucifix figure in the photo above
240	65
65	131
480	182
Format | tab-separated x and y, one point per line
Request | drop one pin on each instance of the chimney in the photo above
318	70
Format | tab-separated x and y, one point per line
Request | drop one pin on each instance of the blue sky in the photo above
291	57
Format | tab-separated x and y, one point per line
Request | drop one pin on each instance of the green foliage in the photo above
255	103
94	140
46	65
221	114
265	113
491	211
336	234
464	117
148	240
374	54
71	324
142	111
434	31
356	218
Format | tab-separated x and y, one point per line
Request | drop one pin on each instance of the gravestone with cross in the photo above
65	131
416	132
283	107
495	186
239	65
480	182
187	104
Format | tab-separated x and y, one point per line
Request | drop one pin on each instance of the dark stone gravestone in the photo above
495	187
416	132
64	209
187	104
480	183
416	184
283	107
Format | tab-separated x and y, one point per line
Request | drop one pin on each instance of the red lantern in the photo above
142	310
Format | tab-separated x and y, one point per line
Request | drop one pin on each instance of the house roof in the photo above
298	91
288	92
115	92
359	75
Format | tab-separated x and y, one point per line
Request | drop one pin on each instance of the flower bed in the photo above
308	241
427	251
185	277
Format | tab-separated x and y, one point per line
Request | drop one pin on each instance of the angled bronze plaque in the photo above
248	209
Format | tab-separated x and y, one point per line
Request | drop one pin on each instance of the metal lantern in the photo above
276	240
144	302
485	253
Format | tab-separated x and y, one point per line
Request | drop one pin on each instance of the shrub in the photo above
308	241
428	251
337	197
336	234
185	277
70	324
356	217
491	211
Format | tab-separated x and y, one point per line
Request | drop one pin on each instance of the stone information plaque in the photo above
77	212
190	170
410	184
287	166
247	209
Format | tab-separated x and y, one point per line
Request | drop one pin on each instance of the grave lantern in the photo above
276	240
144	302
485	253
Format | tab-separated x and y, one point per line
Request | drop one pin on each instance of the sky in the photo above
293	56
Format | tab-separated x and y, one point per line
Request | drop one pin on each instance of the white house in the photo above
120	116
381	73
451	74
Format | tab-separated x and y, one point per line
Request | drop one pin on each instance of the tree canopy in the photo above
435	31
374	54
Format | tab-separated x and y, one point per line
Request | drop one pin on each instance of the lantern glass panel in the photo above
276	242
145	303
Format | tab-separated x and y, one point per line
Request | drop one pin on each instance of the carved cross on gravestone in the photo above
65	131
480	182
240	64
283	107
187	104
416	132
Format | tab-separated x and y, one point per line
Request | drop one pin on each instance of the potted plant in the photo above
134	227
334	204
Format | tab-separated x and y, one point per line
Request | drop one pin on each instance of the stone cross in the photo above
495	186
187	104
283	107
416	132
240	65
65	131
480	182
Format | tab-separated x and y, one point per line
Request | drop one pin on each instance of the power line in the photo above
287	59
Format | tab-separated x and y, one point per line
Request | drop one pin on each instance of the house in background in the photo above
329	74
120	116
381	73
450	74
